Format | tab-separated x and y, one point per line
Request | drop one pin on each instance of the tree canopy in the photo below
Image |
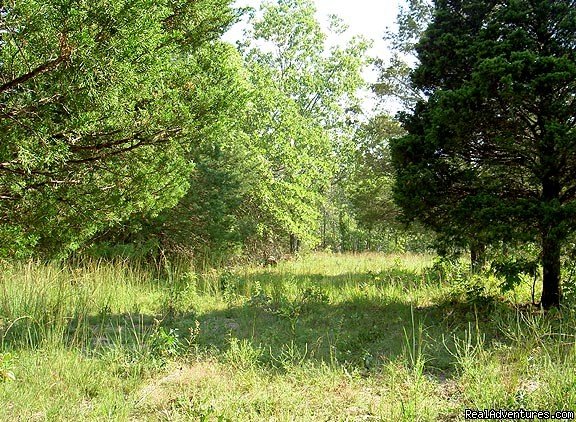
490	153
262	167
308	88
99	104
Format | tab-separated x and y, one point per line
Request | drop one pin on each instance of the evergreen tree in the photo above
491	153
99	108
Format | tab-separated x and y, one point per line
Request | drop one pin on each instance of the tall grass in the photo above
52	303
328	337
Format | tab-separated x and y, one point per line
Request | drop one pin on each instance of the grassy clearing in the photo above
327	337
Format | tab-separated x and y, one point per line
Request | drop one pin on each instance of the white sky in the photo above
370	18
367	17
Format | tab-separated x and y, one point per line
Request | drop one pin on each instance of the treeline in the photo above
130	127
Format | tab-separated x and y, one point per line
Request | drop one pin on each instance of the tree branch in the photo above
65	51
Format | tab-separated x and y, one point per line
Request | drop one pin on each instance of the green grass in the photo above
326	337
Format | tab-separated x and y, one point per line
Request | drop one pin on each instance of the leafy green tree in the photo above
492	151
370	178
298	124
362	200
99	109
206	222
263	162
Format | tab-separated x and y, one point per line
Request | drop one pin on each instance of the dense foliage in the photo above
131	128
490	154
100	105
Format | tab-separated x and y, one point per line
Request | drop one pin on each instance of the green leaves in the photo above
98	112
512	270
486	157
129	122
6	373
301	90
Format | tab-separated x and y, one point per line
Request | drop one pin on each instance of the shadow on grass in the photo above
282	319
362	333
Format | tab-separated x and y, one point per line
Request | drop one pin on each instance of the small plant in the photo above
569	277
165	342
105	311
414	346
315	295
291	310
260	300
228	282
193	333
242	354
6	373
470	287
290	356
468	350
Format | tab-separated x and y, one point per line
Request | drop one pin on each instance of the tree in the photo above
394	80
492	151
297	124
370	176
99	107
361	200
263	166
206	221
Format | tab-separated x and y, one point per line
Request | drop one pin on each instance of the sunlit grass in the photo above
322	337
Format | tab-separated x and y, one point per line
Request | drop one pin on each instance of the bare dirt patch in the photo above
160	391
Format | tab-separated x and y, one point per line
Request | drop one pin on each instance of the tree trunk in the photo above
477	256
551	243
324	223
551	269
294	244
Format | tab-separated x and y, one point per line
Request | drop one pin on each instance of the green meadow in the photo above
323	337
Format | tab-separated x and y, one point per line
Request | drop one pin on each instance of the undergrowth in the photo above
327	337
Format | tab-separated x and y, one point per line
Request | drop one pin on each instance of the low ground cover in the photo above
324	337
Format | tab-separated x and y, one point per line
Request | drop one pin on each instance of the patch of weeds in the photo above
105	311
242	354
467	351
165	342
472	289
290	309
193	334
314	295
513	272
187	292
413	347
368	360
443	268
198	410
290	356
180	295
135	348
6	373
230	285
130	362
569	277
260	299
